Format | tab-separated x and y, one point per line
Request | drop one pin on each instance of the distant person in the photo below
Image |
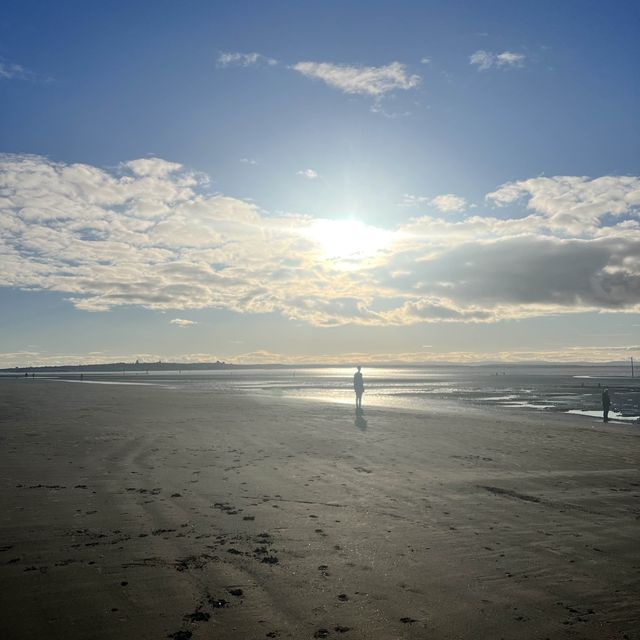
606	403
358	387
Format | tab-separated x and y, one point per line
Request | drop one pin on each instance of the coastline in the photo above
448	524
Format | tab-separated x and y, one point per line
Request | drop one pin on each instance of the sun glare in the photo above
347	241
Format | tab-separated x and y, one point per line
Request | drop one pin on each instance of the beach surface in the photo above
133	511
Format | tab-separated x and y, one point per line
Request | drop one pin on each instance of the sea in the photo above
575	389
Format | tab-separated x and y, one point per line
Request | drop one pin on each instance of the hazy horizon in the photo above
346	364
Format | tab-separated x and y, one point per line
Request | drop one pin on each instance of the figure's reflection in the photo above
360	422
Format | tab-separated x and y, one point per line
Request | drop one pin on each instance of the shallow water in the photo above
570	389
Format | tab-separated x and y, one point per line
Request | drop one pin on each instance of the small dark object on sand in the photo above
321	633
235	592
341	629
217	603
180	635
343	597
407	620
270	560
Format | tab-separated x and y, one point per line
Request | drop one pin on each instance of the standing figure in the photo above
606	403
358	387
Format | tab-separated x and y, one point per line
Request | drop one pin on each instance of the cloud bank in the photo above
152	234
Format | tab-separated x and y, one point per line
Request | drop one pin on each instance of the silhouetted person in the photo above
358	387
606	403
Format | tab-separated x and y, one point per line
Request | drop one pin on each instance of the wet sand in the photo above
144	512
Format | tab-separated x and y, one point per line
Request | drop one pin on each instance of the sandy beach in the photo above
145	512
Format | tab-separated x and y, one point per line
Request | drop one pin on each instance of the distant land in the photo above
119	367
116	367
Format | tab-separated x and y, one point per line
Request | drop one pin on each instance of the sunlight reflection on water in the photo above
540	388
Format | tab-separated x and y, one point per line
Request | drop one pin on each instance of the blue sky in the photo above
319	181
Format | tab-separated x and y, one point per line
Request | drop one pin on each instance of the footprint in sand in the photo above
197	616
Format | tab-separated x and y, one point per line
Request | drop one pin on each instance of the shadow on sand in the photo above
360	422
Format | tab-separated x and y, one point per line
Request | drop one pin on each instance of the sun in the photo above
347	241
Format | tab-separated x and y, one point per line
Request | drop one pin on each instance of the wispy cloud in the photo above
151	234
353	79
308	173
425	60
12	71
251	161
237	59
485	60
446	202
411	200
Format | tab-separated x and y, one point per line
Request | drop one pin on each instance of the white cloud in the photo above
449	203
248	161
572	203
485	60
509	59
352	79
151	234
308	173
180	322
152	167
425	61
237	59
445	203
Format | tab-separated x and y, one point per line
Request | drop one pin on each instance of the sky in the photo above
319	182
